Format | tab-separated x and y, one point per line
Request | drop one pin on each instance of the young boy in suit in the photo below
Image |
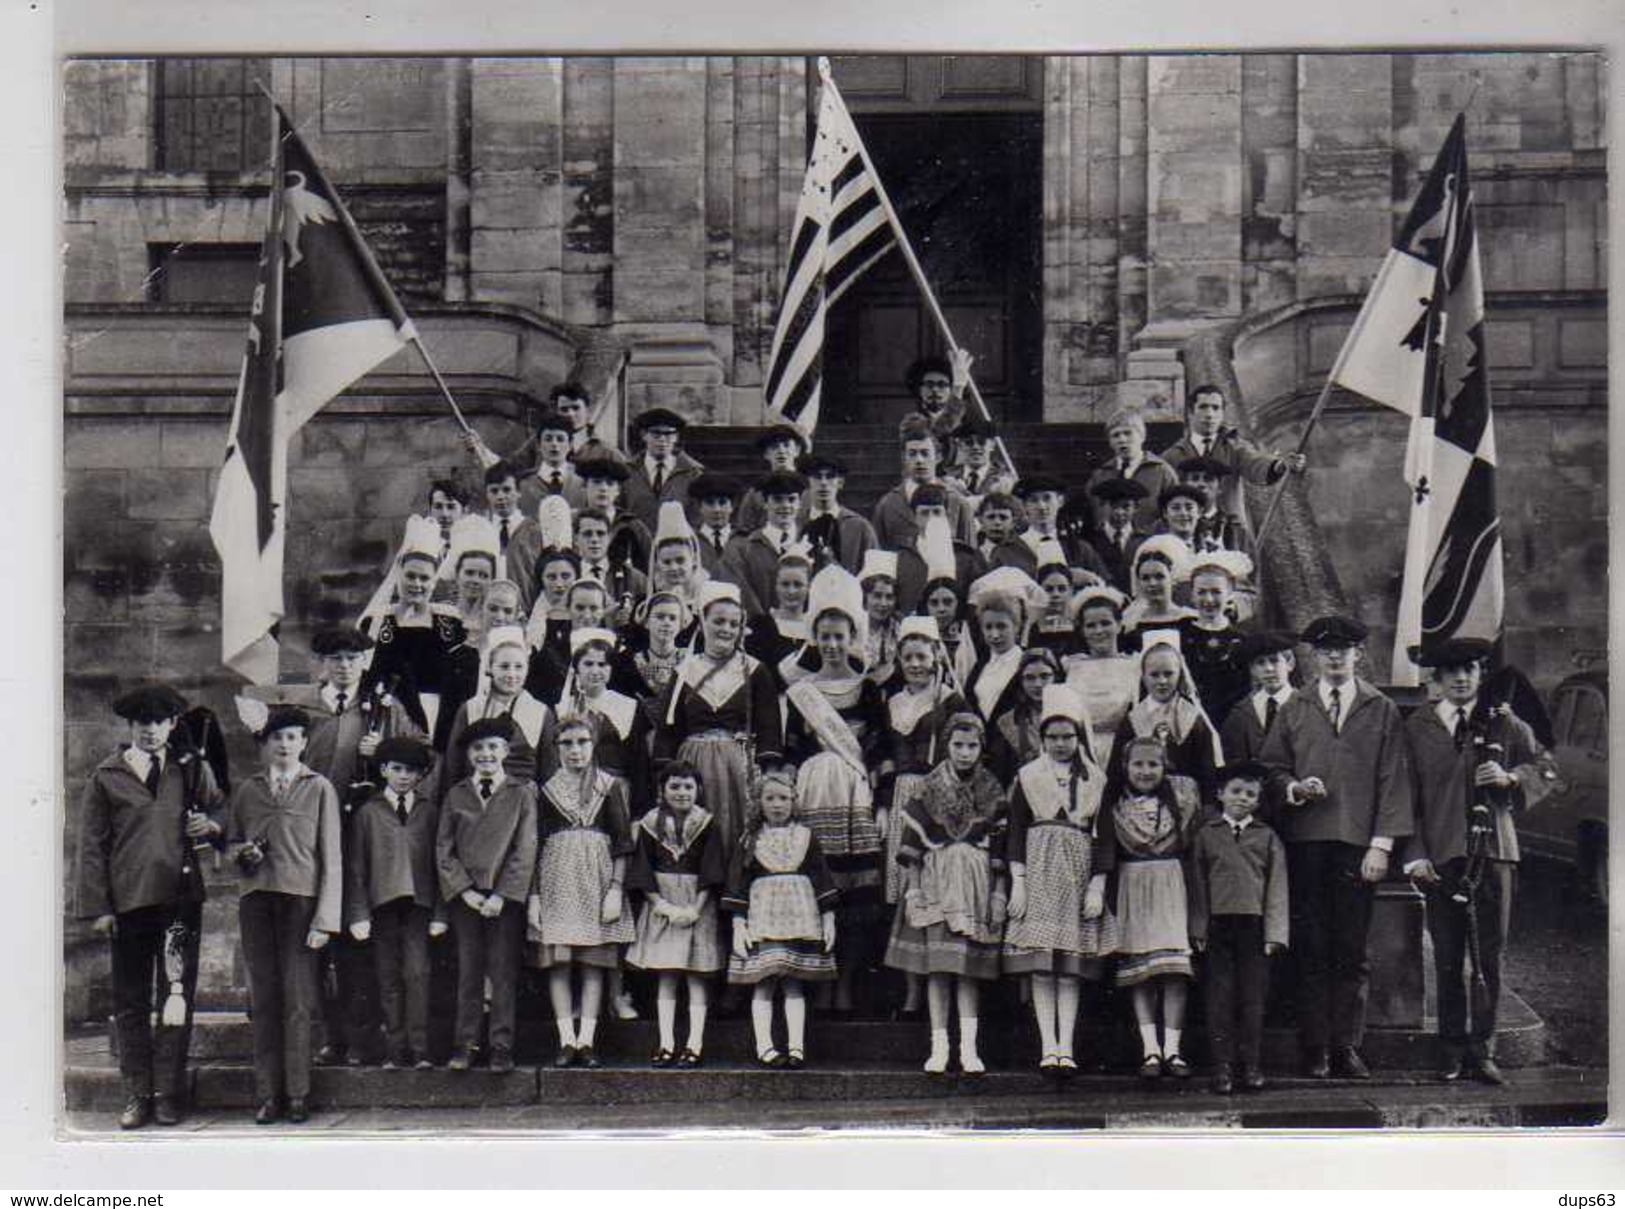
1237	900
392	903
1341	765
485	856
143	814
780	445
835	532
1268	659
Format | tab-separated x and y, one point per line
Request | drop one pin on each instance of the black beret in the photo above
1451	652
499	727
1205	465
1334	632
1260	643
1119	489
334	639
929	495
1033	484
659	417
1182	491
781	432
284	717
551	421
602	467
711	486
150	703
782	483
1246	770
403	749
821	463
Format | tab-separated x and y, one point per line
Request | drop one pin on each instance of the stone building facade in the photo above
540	214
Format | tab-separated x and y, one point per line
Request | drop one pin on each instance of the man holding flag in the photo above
323	315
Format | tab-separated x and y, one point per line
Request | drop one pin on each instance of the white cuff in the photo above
1382	843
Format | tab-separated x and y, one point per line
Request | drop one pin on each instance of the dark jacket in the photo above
389	860
1227	874
487	846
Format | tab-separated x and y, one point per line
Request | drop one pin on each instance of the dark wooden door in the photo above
967	186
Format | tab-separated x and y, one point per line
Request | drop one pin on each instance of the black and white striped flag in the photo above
841	228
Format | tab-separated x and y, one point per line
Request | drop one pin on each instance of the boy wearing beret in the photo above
145	811
714	496
752	559
663	472
1267	657
1340	765
485	855
392	900
603	483
1116	536
835	532
895	526
780	445
932	500
1477	765
284	827
1237	879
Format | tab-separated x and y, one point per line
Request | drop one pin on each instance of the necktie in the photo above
1459	731
716	539
485	789
338	702
1337	710
1122	467
400	809
555	483
660	476
597	571
1204	447
1270	710
154	771
973	480
784	540
279	787
445	547
1235	830
502	534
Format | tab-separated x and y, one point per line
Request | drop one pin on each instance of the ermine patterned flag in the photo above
841	228
323	315
1418	346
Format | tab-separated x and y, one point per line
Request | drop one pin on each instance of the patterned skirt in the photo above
572	878
1053	937
1153	932
787	929
664	945
948	928
836	803
720	759
907	783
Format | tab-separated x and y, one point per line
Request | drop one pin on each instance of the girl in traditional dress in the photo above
1003	601
878	579
1144	840
943	602
1169	711
1105	678
646	670
1053	627
577	913
679	867
507	660
499	606
1058	929
620	728
721	711
675	564
1014	739
782	899
558	571
784	630
836	729
954	897
1210	641
1161	565
916	716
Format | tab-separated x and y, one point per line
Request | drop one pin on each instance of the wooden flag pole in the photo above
914	267
457	412
1303	444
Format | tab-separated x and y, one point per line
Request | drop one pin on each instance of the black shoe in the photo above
1176	1066
1252	1078
298	1110
1151	1068
566	1057
423	1064
794	1060
137	1112
502	1061
1347	1064
688	1059
1317	1064
396	1059
662	1058
1485	1071
770	1058
166	1110
1452	1069
1222	1083
462	1059
333	1055
588	1057
269	1112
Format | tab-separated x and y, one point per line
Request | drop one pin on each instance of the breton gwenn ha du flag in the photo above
1418	347
841	229
323	315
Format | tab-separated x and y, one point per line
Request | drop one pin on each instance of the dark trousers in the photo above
152	1059
1452	958
281	988
349	994
1331	913
1235	981
487	948
400	946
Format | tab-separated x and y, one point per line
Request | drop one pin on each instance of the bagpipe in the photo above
195	744
377	721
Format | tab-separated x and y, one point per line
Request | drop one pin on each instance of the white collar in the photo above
140	761
409	800
497	778
1445	710
330	696
814	512
1235	826
1345	698
717	532
779	537
653	463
